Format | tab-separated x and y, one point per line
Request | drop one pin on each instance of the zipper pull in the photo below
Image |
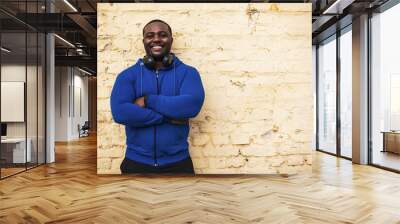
157	73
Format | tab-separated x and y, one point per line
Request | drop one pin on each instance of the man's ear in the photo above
172	40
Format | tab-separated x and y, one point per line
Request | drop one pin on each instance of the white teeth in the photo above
157	47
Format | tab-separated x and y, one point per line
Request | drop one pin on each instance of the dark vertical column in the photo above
369	101
37	89
338	74
1	164
26	87
317	97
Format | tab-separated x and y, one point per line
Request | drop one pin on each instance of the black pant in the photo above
184	166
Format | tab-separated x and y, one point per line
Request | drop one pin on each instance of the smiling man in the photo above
154	99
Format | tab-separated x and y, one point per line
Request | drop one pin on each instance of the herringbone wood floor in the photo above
69	191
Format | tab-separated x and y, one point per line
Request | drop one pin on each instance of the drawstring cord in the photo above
174	80
141	79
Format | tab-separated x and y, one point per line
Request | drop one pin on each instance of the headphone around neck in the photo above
150	62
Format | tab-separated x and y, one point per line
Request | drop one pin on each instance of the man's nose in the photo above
156	37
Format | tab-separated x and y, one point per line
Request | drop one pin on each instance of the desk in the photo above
391	141
18	149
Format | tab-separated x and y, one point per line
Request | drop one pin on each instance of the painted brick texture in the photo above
255	64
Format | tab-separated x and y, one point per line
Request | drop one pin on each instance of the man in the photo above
154	100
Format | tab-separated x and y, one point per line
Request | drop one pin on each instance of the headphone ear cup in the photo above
149	61
167	60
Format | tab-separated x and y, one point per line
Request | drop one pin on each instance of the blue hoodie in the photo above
175	92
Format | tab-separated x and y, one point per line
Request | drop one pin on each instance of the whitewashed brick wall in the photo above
255	64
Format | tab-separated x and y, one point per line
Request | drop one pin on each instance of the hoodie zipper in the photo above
155	129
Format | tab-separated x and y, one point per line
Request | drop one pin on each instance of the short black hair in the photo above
160	21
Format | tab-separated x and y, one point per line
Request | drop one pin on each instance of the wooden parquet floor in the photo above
70	191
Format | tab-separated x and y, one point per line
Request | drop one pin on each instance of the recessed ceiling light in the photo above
338	6
70	5
64	40
84	71
5	50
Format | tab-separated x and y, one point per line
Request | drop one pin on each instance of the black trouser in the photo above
183	166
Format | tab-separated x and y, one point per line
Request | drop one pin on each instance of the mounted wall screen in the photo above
12	101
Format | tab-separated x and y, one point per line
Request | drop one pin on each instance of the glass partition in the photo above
327	95
385	89
22	88
13	95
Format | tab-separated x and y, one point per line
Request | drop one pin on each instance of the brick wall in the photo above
255	64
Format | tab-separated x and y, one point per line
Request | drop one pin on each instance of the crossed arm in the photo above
141	102
123	108
135	111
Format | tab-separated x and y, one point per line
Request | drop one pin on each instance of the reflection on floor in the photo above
386	159
70	191
10	169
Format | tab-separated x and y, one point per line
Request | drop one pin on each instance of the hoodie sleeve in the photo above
123	108
186	105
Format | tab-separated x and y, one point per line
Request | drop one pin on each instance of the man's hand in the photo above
140	102
178	121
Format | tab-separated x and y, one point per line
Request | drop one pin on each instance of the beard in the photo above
158	57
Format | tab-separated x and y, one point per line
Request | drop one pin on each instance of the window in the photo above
385	88
327	95
346	92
